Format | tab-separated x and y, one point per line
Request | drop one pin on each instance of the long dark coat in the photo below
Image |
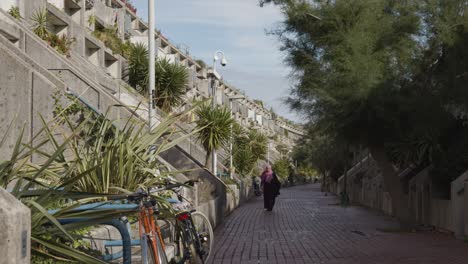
270	191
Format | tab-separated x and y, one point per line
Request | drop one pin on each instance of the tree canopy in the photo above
387	75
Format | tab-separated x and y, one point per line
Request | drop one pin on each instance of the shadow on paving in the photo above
307	227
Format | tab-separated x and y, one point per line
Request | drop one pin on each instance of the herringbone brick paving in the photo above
308	227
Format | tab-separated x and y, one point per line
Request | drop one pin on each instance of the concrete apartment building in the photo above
31	71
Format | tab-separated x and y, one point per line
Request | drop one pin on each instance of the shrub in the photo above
15	12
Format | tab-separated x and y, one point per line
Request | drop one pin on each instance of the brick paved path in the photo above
308	227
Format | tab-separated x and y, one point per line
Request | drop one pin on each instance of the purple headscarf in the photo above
267	174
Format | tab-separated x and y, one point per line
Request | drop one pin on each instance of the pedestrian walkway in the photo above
308	227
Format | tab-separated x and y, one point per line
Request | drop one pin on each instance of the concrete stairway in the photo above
56	71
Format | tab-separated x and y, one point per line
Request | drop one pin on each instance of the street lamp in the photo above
268	153
213	87
152	59
238	97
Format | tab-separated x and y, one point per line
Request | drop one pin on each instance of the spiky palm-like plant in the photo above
138	67
50	241
171	84
250	146
258	143
39	26
95	163
214	128
15	12
170	78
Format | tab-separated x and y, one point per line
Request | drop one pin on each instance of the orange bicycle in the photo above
151	240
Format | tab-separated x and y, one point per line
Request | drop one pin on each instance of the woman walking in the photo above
271	186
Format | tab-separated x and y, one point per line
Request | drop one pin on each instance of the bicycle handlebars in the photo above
138	196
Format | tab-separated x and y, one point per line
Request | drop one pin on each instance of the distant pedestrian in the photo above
271	187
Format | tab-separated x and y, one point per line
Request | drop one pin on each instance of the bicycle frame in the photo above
149	229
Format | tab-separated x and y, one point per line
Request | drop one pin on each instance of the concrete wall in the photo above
441	214
232	198
466	208
365	187
420	197
458	204
24	94
15	230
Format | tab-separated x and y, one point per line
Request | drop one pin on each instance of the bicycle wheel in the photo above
205	235
186	243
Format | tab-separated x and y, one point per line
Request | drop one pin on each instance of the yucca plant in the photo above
249	147
116	158
50	241
125	160
214	125
39	25
171	84
119	155
258	143
15	12
170	78
138	67
244	161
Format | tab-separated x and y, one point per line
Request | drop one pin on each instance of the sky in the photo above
238	28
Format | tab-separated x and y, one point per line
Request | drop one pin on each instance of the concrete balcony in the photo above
71	7
92	52
112	64
56	23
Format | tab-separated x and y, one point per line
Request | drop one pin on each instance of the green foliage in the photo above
381	74
14	11
214	127
138	67
249	146
39	25
328	155
50	241
171	78
282	168
62	44
92	20
201	62
171	84
116	158
110	37
119	156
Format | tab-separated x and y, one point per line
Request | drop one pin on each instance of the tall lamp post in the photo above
239	97
268	153
223	62
152	59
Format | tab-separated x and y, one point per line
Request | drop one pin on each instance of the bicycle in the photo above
150	238
193	233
